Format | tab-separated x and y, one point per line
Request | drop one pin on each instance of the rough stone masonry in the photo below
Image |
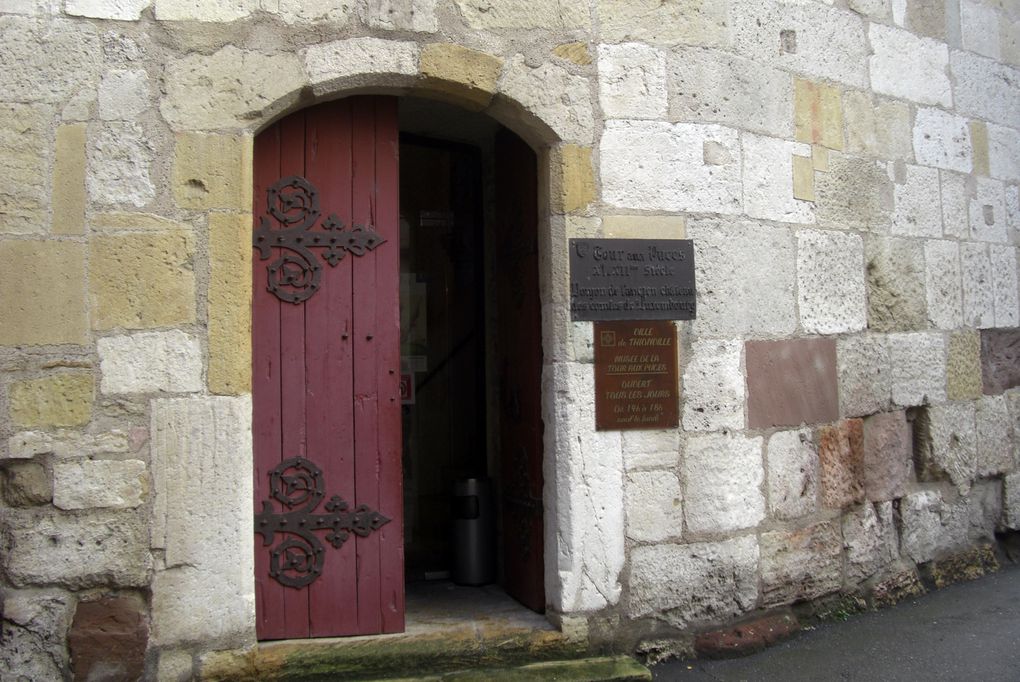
849	172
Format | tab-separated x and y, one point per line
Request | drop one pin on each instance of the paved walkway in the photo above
968	631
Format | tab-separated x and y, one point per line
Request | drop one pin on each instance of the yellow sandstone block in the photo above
803	178
213	171
644	226
41	293
979	141
229	311
818	114
574	52
578	189
461	72
63	399
69	181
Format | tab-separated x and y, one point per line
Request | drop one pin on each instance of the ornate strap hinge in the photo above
293	202
298	560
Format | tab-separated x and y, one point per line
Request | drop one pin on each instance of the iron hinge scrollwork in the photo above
293	202
298	560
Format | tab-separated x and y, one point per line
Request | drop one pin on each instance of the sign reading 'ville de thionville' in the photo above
632	279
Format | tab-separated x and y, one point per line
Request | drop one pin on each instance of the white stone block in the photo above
987	211
994	436
921	524
328	63
652	165
793	474
644	449
150	361
120	158
1004	152
745	274
942	140
1013	207
121	10
802	563
204	10
908	66
985	89
918	363
943	284
830	282
723	474
47	61
202	450
979	28
865	376
978	287
550	93
916	211
768	180
123	94
957	190
62	444
869	538
1004	286
89	483
952	446
509	14
654	506
399	15
30	8
335	12
713	385
632	81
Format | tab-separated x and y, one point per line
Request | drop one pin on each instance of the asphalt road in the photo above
968	631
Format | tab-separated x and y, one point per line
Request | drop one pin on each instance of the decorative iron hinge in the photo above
293	202
298	560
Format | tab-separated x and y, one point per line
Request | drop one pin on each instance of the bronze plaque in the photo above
636	381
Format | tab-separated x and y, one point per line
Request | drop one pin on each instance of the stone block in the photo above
576	53
943	286
40	315
792	464
212	171
854	194
712	86
879	128
577	189
218	11
229	311
63	399
887	466
985	89
61	444
818	114
942	140
117	221
995	444
914	213
653	165
119	10
722	478
1000	360
979	141
694	583
107	639
123	94
803	178
88	484
175	666
946	444
230	87
632	81
920	524
791	382
1003	152
506	14
865	376
120	156
987	211
978	291
1004	286
688	22
644	226
25	145
201	449
642	449
461	71
69	177
963	365
908	66
841	463
714	387
47	60
1013	207
869	537
654	506
924	18
142	280
553	95
26	484
969	564
957	191
768	180
979	28
1011	501
100	549
747	637
830	282
899	586
896	284
33	630
399	15
745	273
800	564
918	362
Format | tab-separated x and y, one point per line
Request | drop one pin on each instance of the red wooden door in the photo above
325	332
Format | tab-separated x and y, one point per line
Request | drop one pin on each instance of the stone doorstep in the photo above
601	669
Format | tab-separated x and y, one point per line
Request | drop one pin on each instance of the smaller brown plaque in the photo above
636	379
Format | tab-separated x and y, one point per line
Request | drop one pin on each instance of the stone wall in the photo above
847	169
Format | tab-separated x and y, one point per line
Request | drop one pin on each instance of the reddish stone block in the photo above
888	452
791	382
747	637
1000	360
841	460
107	640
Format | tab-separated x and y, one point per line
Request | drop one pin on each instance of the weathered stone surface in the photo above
1004	285
876	128
854	194
25	145
747	637
229	311
943	284
818	114
46	60
908	66
1000	360
63	399
694	583
1011	501
841	463
123	94
107	639
768	180
28	444
201	449
38	315
651	448
632	81
116	221
33	627
229	88
543	14
87	484
745	274
687	22
801	564
897	587
803	178
577	178
793	475
120	156
219	10
553	95
994	436
712	86
397	15
978	291
26	484
979	141
888	448
869	537
924	18
723	474
914	213
175	666
970	564
142	280
69	181
714	387
653	505
918	362
957	190
987	211
920	524
942	140
896	284
963	365
1013	207
653	165
213	171
461	71
985	89
577	52
121	10
791	382
1003	152
865	376
150	361
947	444
100	549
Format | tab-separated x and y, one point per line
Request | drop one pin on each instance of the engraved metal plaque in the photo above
636	375
632	279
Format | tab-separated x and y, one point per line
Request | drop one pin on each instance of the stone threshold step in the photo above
601	669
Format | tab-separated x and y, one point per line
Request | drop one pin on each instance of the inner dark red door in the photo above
328	503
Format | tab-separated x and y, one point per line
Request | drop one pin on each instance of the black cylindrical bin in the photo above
474	532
